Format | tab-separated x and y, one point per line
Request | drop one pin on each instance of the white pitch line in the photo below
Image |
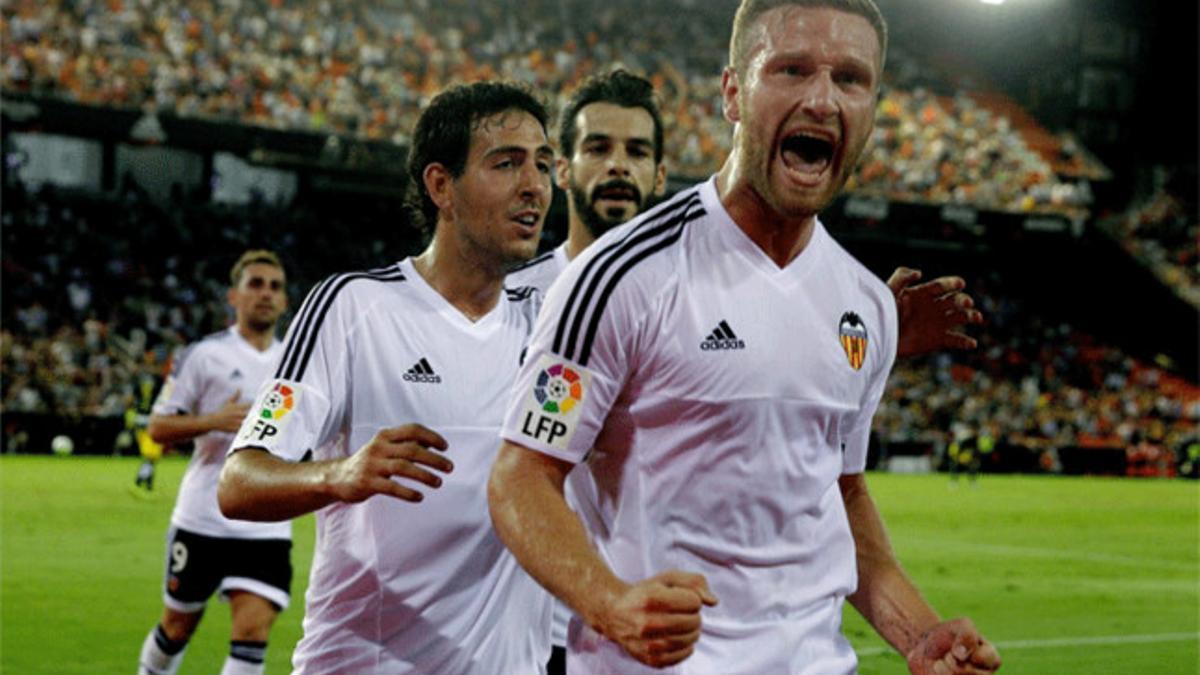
1068	642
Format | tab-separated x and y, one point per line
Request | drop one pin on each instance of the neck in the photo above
579	236
259	339
471	287
781	237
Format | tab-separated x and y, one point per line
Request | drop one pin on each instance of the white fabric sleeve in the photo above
576	365
302	405
882	352
180	393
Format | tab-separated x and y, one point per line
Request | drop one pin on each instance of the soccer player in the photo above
205	399
715	363
388	376
611	144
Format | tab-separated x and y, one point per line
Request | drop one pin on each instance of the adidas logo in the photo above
236	374
422	372
722	337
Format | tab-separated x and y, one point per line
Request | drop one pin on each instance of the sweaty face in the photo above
260	296
805	104
500	201
611	173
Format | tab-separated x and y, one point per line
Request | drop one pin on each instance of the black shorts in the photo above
198	566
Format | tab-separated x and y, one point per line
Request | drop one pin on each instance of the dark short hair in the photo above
750	10
443	134
252	257
619	87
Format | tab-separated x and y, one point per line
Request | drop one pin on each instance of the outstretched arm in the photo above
933	314
657	620
890	602
256	485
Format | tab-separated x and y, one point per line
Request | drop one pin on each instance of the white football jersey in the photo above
203	378
400	587
715	399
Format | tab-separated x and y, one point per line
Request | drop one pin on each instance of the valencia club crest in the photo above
853	335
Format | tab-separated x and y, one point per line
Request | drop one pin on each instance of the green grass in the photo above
1066	575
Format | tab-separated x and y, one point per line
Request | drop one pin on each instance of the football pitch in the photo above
1066	575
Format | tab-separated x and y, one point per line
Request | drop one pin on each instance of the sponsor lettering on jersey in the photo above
551	412
422	372
721	338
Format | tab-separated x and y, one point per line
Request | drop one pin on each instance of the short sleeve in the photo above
857	437
301	406
577	361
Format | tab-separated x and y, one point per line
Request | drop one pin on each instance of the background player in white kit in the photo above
383	372
205	399
721	358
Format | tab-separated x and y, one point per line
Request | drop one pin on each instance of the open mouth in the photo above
805	153
527	218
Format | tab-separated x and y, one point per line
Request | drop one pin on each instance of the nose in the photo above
534	183
618	163
818	99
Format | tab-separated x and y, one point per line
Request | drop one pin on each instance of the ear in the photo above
438	183
562	173
231	295
729	94
660	180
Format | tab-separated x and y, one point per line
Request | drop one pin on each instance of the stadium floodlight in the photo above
992	2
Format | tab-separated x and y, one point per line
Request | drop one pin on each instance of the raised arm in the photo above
256	485
656	620
890	602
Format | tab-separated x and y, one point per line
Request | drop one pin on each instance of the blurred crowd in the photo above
100	290
365	69
1038	385
1163	232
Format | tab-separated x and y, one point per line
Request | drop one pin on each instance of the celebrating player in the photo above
717	362
388	376
248	563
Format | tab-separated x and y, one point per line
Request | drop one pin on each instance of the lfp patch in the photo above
552	410
265	422
853	335
278	402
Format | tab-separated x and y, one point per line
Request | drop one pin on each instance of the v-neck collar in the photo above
736	240
443	306
245	344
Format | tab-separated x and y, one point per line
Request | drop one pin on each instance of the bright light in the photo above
992	2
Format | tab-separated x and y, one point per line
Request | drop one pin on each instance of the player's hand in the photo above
409	451
229	416
932	314
953	648
657	621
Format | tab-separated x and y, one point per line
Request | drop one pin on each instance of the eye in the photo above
544	167
639	152
596	149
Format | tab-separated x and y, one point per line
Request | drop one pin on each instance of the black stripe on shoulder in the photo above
312	314
548	255
661	222
629	262
519	293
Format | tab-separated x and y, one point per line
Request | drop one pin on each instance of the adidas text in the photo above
710	345
422	377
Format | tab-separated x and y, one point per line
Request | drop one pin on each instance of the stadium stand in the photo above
102	285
